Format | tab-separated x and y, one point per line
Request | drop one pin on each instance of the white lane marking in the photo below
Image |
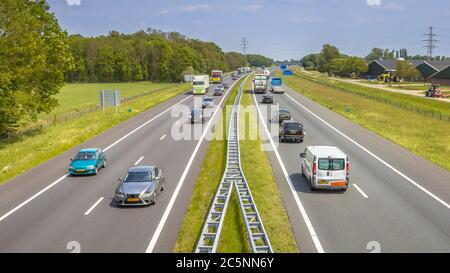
164	136
32	197
147	122
360	191
107	148
304	132
139	160
178	122
302	210
93	206
374	156
163	220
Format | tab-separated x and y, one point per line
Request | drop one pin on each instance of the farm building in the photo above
426	68
429	68
441	77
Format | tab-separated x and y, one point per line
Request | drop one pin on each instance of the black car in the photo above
281	115
291	130
196	116
267	99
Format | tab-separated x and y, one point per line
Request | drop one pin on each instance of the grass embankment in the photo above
264	189
25	151
406	101
425	136
206	186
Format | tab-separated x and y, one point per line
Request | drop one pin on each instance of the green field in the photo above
76	99
264	189
75	96
435	107
425	136
22	152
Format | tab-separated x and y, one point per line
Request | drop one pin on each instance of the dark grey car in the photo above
140	187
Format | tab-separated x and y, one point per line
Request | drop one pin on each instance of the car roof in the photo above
141	169
326	151
291	121
92	150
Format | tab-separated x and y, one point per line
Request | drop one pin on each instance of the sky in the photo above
280	29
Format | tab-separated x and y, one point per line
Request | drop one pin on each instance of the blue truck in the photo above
277	86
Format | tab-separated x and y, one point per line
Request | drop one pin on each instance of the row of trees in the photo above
150	55
330	60
384	54
145	55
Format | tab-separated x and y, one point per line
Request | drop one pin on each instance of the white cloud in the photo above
373	2
255	8
73	2
306	20
389	6
196	8
394	6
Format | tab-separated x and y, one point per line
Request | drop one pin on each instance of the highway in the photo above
397	201
44	210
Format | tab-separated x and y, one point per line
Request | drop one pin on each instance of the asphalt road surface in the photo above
44	210
396	202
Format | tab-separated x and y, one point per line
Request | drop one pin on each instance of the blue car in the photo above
87	161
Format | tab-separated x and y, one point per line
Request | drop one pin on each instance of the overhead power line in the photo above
431	42
244	45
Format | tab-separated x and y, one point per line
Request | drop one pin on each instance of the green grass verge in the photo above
25	151
395	98
263	185
206	186
422	135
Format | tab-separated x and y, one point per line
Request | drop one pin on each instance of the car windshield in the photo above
328	164
85	156
283	112
196	113
138	177
293	126
207	99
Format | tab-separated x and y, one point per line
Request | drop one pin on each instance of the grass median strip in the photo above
422	135
262	183
206	186
23	152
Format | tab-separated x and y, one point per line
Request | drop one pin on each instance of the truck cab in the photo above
200	84
217	76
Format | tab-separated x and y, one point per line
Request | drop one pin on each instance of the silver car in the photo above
207	102
140	187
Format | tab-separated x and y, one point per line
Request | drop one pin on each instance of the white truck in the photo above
260	82
200	84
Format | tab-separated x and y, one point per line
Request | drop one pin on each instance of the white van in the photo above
325	167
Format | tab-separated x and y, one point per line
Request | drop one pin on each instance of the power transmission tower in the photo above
244	45
431	42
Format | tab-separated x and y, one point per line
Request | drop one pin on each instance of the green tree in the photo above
407	71
34	55
235	60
